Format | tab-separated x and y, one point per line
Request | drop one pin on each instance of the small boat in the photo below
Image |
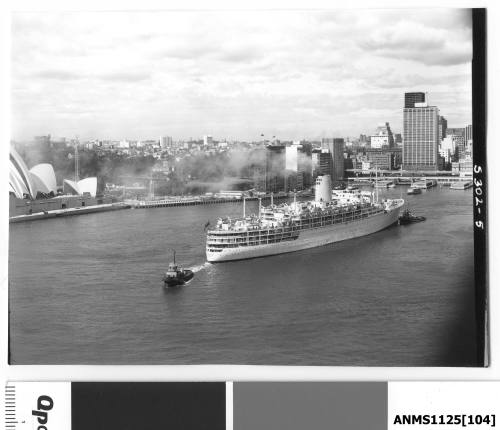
407	217
175	275
461	185
414	191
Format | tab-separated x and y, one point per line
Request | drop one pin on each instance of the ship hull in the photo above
311	238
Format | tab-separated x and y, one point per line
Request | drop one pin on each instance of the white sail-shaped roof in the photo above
70	187
44	178
17	184
88	185
20	176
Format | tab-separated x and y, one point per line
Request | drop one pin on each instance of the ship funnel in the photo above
323	189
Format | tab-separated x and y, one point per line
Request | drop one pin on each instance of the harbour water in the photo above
88	290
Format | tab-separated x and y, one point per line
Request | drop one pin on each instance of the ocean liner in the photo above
331	217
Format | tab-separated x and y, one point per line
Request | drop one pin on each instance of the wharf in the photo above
172	202
69	212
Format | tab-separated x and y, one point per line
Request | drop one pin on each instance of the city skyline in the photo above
235	75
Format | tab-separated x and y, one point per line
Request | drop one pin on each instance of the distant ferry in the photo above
330	217
384	184
426	183
414	191
461	185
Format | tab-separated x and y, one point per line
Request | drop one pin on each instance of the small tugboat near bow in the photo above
407	217
176	276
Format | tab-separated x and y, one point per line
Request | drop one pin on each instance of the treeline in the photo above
112	167
107	167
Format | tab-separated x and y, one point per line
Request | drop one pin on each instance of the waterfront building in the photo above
420	137
387	159
275	168
259	178
383	137
412	98
336	147
462	167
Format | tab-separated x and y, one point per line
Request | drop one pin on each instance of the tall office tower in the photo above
165	142
412	98
298	166
468	133
420	137
443	125
321	162
336	147
305	163
275	168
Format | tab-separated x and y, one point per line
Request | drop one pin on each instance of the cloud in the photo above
230	73
58	75
415	41
124	76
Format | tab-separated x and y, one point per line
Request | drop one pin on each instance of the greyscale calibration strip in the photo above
250	405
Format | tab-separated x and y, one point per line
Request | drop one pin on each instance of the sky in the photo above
235	74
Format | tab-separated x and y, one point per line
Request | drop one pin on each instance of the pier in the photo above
194	201
407	180
69	212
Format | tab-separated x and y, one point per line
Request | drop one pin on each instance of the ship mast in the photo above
260	206
244	207
376	182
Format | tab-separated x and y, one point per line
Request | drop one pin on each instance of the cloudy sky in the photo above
293	74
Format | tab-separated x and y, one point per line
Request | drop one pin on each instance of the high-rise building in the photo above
443	125
468	133
298	166
275	168
383	137
336	147
165	142
420	137
322	162
412	98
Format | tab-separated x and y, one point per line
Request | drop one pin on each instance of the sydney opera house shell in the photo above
87	185
41	180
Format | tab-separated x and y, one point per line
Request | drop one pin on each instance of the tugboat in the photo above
176	276
407	217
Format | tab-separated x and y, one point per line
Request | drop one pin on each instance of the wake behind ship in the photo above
330	217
